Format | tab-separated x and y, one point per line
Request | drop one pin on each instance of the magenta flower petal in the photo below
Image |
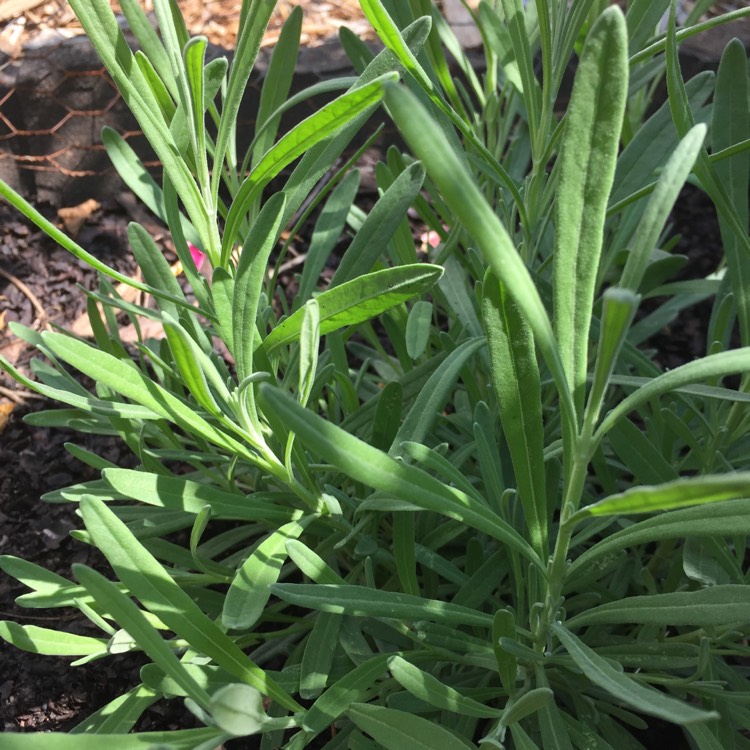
197	255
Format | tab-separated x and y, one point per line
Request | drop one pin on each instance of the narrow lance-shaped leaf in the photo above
432	398
186	739
102	29
681	493
50	642
714	606
725	519
194	57
250	589
587	163
248	283
652	222
147	580
515	378
277	83
253	22
362	601
462	194
130	617
380	225
624	688
428	688
618	310
381	471
396	730
732	102
124	378
712	366
326	121
358	300
309	345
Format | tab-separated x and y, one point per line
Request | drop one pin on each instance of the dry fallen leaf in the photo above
73	218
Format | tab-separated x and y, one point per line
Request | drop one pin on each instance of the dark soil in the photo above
39	693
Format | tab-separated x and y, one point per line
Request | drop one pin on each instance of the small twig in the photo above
287	266
18	397
41	313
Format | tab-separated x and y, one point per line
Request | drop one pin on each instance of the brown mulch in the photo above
22	21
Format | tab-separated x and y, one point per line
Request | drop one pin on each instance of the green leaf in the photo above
197	371
194	56
418	328
147	580
396	730
652	222
277	83
641	457
102	29
248	284
362	601
432	398
678	494
504	626
339	696
716	606
309	346
185	739
516	381
50	642
238	710
328	230
127	614
587	163
429	689
358	300
149	41
707	368
65	242
381	471
733	218
250	589
731	125
618	310
123	377
725	519
192	497
624	688
120	715
387	417
326	121
317	660
464	197
526	704
253	22
380	225
655	141
155	268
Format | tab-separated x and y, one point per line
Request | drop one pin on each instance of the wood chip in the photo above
15	8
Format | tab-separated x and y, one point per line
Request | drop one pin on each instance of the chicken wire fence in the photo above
56	97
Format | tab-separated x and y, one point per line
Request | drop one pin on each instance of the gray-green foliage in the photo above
460	504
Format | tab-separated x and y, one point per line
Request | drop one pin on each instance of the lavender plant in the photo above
437	528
